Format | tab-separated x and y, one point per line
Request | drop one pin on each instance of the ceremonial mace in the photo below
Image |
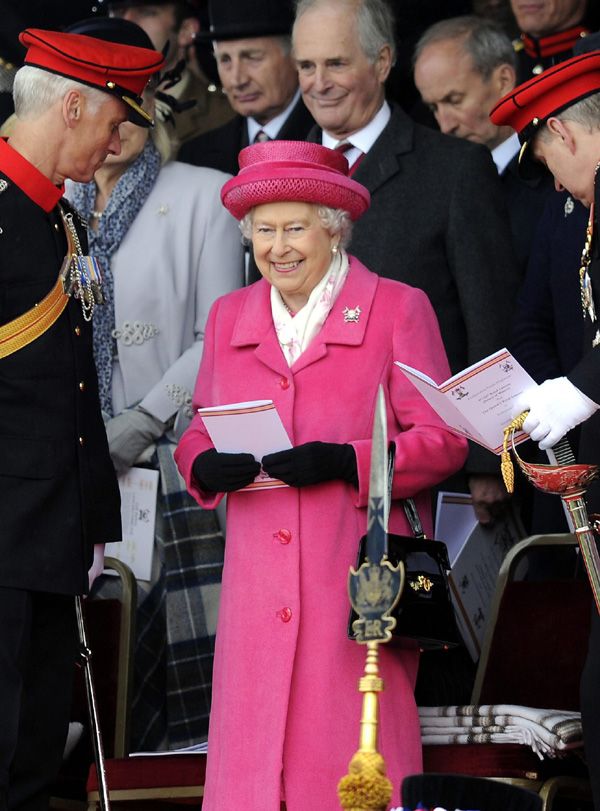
374	591
567	479
86	654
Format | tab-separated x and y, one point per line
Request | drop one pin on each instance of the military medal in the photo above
81	274
585	283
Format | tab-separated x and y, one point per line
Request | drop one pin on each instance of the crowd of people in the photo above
212	203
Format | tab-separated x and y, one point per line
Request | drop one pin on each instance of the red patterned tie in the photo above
346	146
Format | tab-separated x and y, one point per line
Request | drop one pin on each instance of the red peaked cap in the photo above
530	104
120	70
293	171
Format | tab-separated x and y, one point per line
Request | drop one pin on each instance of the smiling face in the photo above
458	96
257	75
340	86
291	248
541	17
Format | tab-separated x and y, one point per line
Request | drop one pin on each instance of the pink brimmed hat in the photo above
293	171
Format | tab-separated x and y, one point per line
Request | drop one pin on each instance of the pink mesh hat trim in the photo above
290	171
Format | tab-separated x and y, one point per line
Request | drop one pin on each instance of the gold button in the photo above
77	330
81	385
81	440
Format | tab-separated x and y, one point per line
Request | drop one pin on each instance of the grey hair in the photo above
334	220
35	90
374	23
483	40
585	112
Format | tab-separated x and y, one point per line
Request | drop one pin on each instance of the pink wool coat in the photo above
286	710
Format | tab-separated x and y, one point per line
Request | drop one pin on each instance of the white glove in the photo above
129	434
554	408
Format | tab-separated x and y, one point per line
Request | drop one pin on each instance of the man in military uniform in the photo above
59	499
557	117
549	30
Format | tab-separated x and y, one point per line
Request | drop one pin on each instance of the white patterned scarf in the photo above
295	332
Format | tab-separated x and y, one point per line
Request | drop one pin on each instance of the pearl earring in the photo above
334	249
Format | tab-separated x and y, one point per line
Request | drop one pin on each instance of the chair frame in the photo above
570	787
124	676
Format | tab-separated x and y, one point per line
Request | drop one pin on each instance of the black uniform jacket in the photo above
586	374
219	148
58	491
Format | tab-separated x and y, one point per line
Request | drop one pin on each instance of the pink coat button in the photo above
283	535
284	383
285	614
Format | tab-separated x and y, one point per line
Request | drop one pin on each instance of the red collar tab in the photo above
29	179
541	47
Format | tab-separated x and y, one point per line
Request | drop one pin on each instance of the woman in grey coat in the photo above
167	249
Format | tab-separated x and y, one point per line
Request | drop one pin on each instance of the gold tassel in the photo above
366	787
506	465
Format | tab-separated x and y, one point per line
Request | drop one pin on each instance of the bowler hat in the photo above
104	5
120	70
293	171
240	19
531	104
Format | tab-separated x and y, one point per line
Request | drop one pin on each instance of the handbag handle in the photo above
410	508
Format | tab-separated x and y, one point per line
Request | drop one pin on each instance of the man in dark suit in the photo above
252	48
557	116
463	66
59	498
549	31
437	218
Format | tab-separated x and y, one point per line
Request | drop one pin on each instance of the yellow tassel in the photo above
508	473
365	788
506	465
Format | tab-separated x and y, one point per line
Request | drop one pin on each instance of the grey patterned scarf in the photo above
124	204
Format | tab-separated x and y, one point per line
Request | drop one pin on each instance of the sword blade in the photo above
378	505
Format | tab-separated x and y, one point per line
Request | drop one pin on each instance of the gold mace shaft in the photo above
366	787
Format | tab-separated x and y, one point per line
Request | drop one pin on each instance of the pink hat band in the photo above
293	171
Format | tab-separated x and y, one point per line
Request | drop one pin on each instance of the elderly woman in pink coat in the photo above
317	335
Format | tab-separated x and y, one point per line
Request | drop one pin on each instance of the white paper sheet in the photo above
477	402
476	554
138	487
251	427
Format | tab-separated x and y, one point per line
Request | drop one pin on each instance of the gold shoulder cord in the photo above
31	325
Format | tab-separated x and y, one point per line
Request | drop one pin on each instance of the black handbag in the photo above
424	611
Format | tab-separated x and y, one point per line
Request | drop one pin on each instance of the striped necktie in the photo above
346	146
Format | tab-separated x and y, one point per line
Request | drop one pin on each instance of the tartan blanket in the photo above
176	618
548	732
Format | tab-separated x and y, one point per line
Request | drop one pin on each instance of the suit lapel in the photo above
297	125
254	327
384	160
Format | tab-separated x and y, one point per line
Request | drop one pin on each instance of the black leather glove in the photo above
224	472
312	463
